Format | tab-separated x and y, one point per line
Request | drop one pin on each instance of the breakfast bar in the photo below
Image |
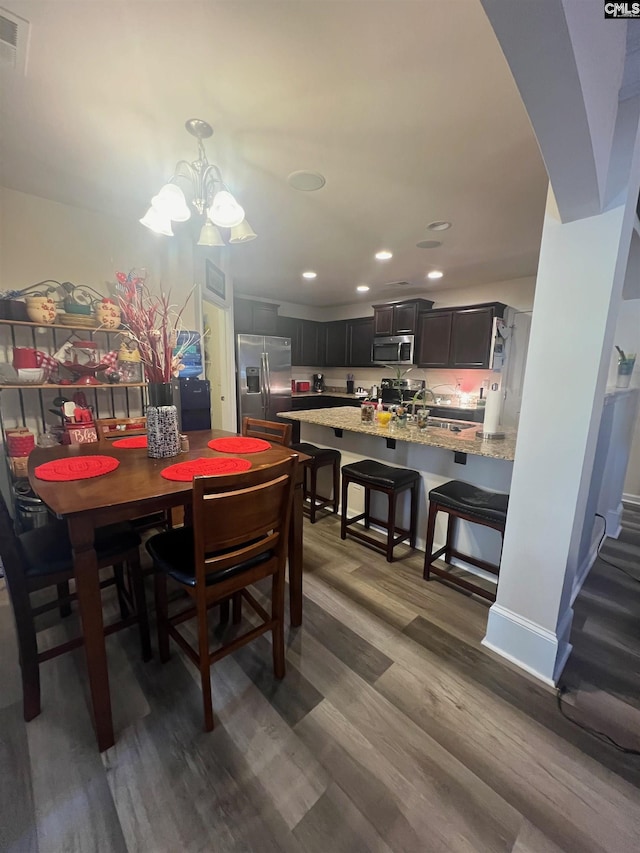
438	453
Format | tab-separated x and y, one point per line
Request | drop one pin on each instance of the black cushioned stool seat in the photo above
471	503
319	457
375	476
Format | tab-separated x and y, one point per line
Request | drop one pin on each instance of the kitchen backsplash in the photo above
444	383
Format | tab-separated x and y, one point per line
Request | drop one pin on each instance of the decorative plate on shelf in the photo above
83	320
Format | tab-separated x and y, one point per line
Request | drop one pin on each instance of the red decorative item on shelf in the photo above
239	445
76	468
132	441
205	467
20	442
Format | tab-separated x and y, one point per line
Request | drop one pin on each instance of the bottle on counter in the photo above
379	407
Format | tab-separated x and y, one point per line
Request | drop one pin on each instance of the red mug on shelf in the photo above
25	357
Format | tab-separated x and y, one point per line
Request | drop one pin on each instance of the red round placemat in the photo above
239	444
206	466
132	441
76	468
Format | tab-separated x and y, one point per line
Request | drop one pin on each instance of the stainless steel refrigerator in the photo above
263	375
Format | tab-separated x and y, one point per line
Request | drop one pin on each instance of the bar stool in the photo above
374	476
319	457
479	506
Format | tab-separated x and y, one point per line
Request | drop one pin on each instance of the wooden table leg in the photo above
295	549
81	533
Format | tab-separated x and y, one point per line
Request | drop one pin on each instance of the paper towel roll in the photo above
491	422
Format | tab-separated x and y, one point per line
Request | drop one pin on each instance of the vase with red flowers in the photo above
153	323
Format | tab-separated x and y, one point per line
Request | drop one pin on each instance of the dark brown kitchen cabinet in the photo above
457	337
471	337
311	343
434	339
289	327
255	318
335	335
398	318
359	342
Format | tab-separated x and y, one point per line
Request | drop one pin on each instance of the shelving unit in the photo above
104	405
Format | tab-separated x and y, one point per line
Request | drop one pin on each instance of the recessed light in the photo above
435	274
384	255
439	225
306	181
309	274
428	244
362	288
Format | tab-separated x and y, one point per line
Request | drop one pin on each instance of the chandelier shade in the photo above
158	222
242	233
210	236
206	193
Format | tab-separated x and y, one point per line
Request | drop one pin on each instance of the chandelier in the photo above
210	197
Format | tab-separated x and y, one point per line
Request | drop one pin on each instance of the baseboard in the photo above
631	499
538	651
584	569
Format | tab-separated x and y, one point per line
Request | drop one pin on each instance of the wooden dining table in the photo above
136	488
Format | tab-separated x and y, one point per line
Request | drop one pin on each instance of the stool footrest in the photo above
461	582
474	561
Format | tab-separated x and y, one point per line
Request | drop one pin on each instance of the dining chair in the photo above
42	558
108	429
239	536
273	431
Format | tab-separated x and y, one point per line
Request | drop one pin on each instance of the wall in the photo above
42	239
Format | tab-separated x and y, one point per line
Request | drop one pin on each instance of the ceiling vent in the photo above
14	38
395	284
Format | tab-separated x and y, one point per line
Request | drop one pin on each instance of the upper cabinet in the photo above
335	343
359	342
457	337
255	318
398	318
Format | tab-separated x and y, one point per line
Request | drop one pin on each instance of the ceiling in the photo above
407	108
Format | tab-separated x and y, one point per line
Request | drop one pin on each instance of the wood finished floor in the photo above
394	730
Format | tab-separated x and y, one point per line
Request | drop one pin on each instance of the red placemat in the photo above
204	467
76	468
132	441
239	444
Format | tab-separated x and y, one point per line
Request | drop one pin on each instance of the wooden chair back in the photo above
241	522
273	431
110	428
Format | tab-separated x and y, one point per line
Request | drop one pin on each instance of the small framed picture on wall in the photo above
214	280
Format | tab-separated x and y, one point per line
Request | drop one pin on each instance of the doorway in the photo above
217	369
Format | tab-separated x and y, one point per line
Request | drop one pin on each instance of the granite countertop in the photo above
466	441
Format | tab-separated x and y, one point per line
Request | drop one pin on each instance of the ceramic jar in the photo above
41	309
108	314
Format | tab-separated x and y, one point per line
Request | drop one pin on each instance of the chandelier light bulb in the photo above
209	235
225	210
157	222
170	202
242	233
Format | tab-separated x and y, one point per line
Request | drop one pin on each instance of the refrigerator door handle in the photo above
263	383
268	379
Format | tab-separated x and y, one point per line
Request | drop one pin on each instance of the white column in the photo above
579	285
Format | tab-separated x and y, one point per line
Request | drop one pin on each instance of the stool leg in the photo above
313	493
391	522
343	516
336	485
413	524
451	529
63	592
367	507
428	548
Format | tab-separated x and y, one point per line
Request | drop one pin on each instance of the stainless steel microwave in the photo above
395	350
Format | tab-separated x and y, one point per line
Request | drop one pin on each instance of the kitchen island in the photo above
438	454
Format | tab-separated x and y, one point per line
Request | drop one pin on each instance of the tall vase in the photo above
163	437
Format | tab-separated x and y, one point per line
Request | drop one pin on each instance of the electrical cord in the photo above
608	562
562	690
601	736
